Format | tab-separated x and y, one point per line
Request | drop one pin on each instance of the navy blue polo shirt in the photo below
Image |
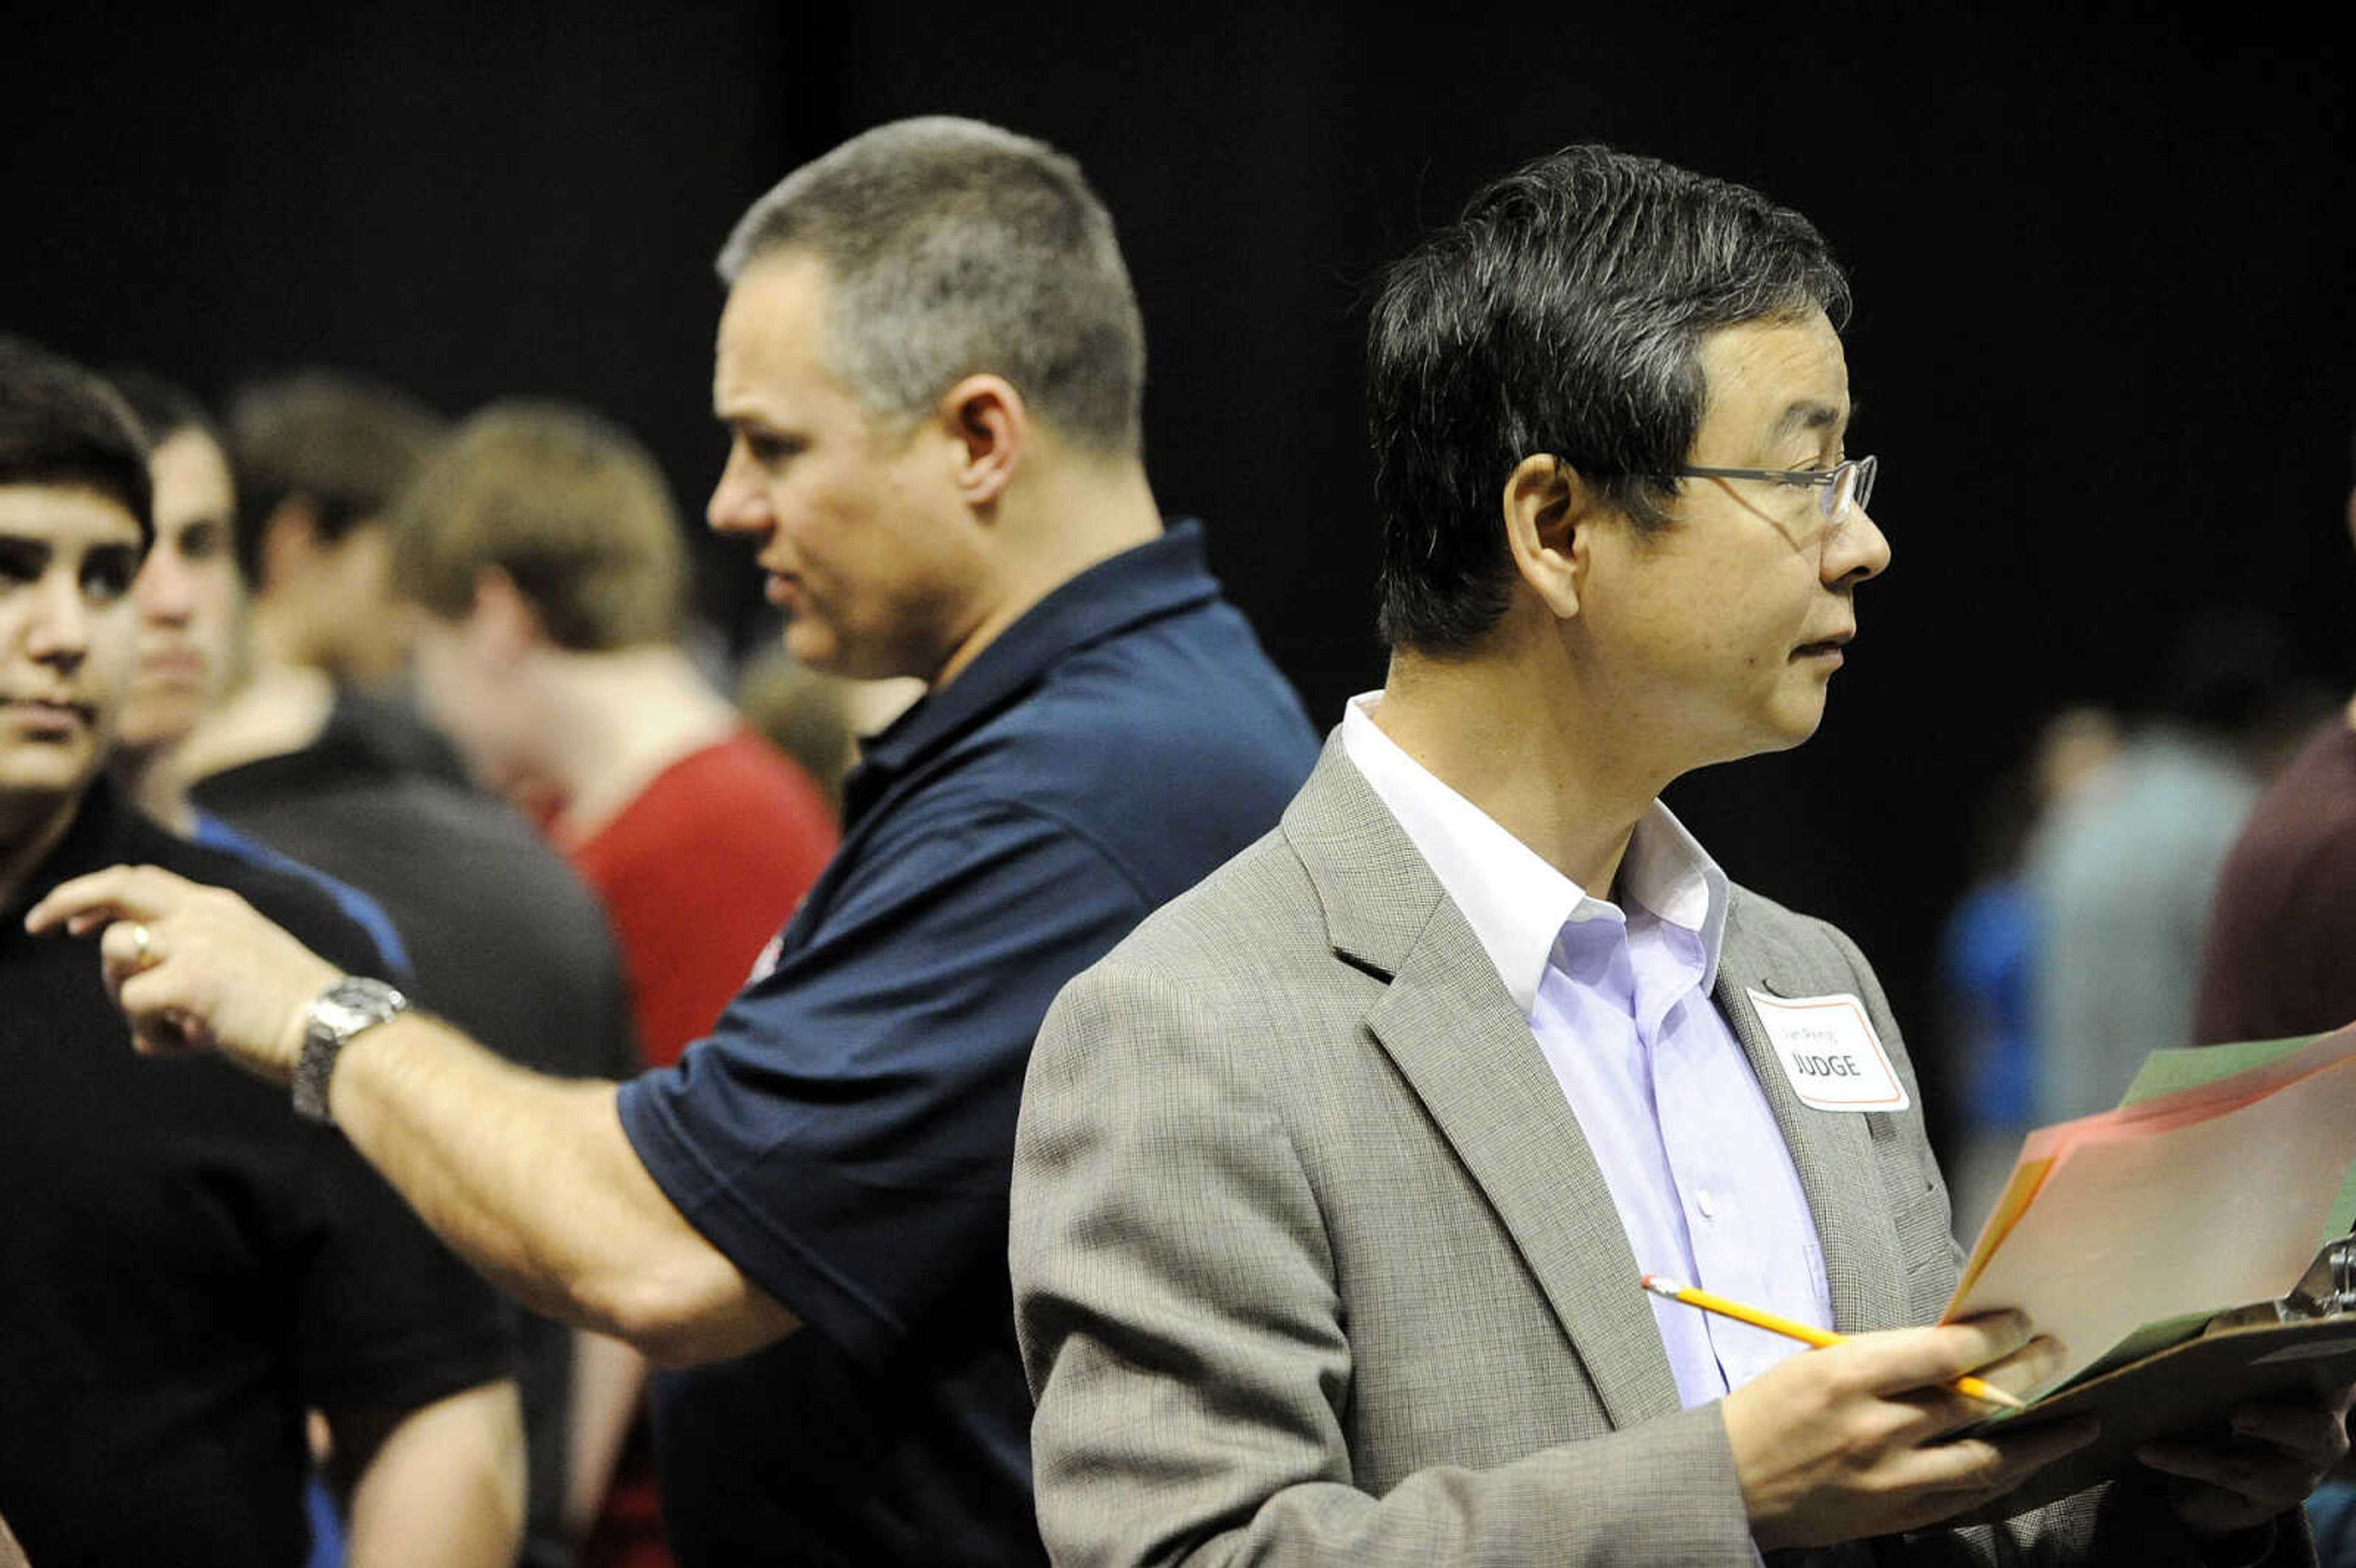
845	1135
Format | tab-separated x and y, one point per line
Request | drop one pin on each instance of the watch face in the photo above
338	1017
355	1003
342	1011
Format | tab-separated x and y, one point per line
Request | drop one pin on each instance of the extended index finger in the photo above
119	892
1903	1359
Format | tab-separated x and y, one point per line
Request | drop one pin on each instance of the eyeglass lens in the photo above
1852	487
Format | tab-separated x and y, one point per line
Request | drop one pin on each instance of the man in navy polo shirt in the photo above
930	364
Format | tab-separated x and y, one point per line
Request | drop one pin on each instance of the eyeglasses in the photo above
1842	486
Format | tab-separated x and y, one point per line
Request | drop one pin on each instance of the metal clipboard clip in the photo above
2328	1289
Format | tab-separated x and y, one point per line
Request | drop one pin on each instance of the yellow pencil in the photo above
1808	1334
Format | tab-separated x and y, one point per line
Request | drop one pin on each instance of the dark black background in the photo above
2105	341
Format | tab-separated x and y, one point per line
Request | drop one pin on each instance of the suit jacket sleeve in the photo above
1183	1330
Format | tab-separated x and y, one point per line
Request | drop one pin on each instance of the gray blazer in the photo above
1312	1266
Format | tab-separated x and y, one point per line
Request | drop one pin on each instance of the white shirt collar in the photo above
1516	903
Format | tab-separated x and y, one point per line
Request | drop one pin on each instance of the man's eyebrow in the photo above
753	426
1810	416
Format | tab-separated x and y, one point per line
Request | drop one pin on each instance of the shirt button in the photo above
1702	1202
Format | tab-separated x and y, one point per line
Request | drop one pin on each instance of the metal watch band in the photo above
335	1018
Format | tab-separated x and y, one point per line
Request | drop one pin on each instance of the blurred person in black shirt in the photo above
186	1269
503	938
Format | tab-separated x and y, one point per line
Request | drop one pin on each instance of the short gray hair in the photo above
953	247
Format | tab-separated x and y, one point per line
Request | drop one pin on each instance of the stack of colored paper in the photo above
2209	1196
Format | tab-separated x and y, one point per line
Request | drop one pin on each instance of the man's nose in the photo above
735	504
162	589
1855	548
60	632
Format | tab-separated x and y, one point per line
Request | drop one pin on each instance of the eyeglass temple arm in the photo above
1788	476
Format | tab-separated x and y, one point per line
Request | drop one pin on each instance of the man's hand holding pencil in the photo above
1854	1439
1806	1333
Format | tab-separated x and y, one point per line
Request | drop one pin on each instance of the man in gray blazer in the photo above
1334	1182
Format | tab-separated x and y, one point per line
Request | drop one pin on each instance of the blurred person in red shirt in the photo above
546	554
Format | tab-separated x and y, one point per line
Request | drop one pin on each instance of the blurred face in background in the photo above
335	596
67	556
467	677
189	596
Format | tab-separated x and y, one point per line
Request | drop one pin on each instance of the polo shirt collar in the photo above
1515	902
1157	578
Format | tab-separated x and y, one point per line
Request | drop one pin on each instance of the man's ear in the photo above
988	427
291	546
503	623
1547	510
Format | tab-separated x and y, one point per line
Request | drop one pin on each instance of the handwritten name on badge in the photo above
1829	1052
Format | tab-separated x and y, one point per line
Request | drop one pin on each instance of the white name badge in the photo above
1830	1053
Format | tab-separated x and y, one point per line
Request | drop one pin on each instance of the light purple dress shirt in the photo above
1618	999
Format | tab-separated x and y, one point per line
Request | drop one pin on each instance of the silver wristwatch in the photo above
336	1016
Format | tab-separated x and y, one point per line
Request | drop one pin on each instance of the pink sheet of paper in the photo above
2205	1099
2047	1149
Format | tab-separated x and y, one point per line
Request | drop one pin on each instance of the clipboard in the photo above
2302	1345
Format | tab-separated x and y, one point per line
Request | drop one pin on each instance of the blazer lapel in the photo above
1448	1027
1832	1150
